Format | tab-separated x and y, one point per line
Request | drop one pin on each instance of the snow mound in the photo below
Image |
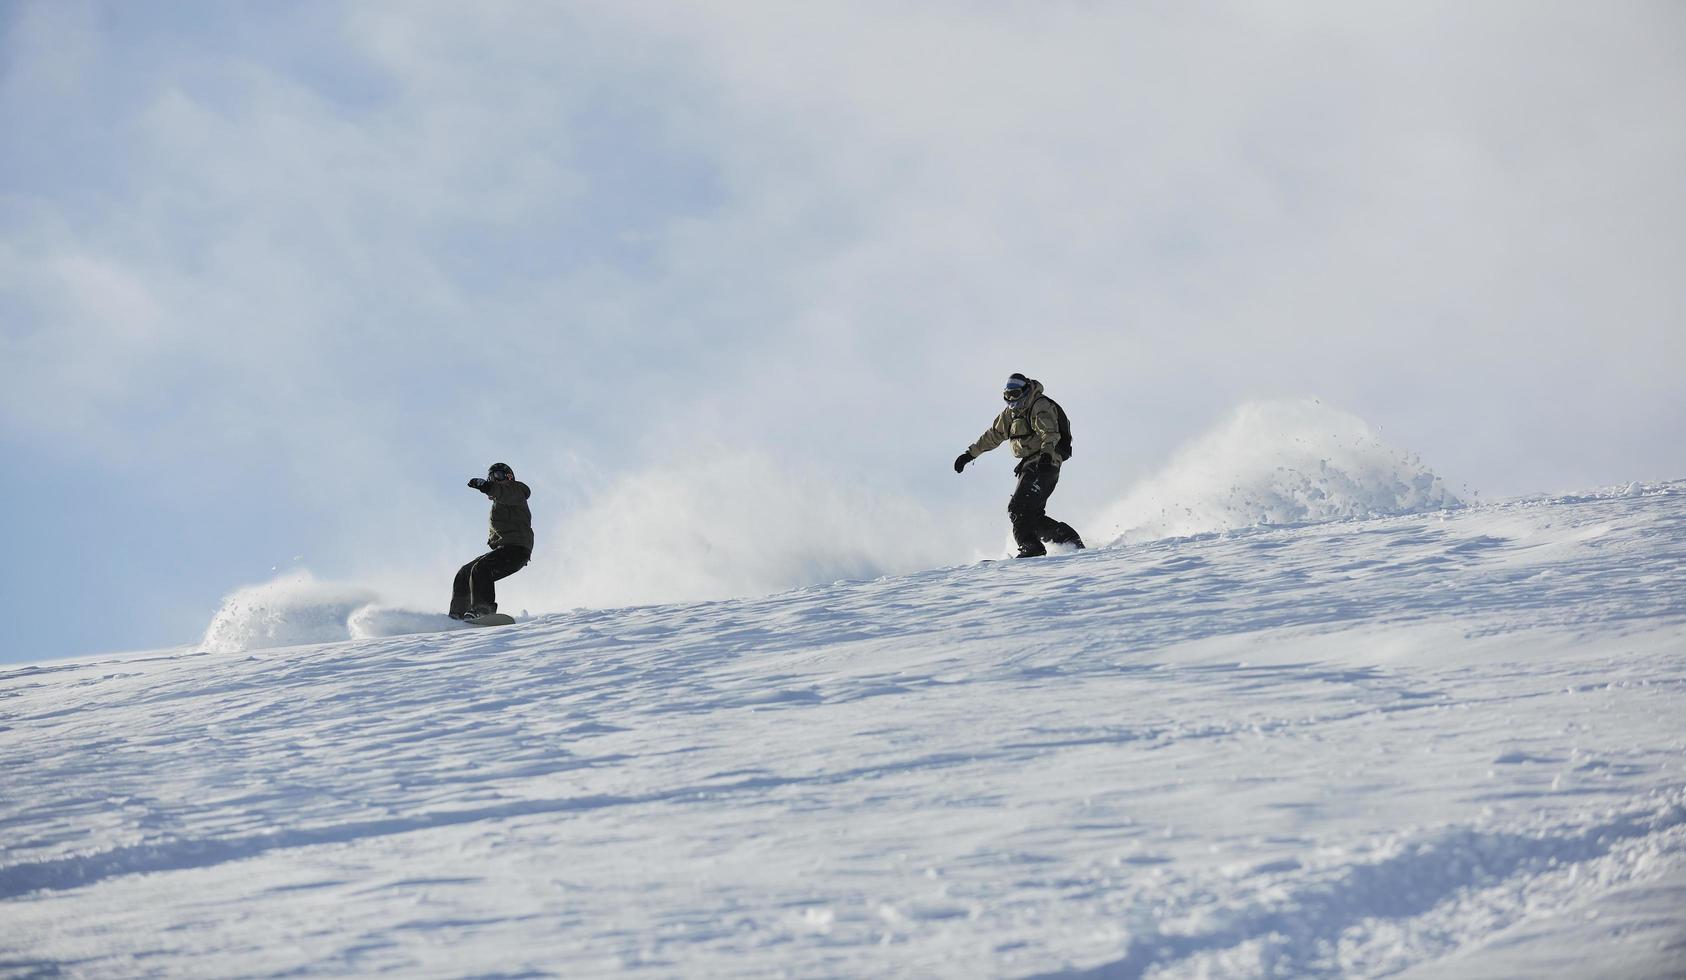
1277	462
292	610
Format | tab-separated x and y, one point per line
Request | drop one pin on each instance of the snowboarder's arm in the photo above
506	491
993	436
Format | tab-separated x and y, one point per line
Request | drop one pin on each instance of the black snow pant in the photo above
473	588
1028	509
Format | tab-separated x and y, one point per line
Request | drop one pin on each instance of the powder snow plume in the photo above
288	611
736	524
1276	462
297	609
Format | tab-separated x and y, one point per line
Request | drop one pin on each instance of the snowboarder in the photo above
511	540
1041	439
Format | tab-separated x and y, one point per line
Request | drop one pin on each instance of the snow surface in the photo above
1440	744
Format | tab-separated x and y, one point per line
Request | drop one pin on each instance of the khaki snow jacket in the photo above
512	521
1033	429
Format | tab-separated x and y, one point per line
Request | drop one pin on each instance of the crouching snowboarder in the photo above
1041	439
511	539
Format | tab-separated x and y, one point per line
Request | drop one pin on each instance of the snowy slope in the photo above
1442	744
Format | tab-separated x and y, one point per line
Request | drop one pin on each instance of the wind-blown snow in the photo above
1437	744
735	524
293	609
297	609
1281	462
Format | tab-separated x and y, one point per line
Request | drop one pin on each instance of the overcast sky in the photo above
734	282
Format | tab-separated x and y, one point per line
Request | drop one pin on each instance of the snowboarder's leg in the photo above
487	569
459	590
1057	532
1027	508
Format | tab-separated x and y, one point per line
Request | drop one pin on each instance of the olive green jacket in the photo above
1033	430
512	522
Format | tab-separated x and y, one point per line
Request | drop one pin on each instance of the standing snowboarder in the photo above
511	540
1041	439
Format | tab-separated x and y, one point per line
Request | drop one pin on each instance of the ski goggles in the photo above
1014	391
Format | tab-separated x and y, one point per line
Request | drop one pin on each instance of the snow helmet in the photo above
500	471
1015	389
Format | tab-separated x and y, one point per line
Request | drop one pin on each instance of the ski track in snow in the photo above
1449	741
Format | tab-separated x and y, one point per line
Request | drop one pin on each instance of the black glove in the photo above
477	483
961	460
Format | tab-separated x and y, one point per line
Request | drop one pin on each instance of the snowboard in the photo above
490	619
